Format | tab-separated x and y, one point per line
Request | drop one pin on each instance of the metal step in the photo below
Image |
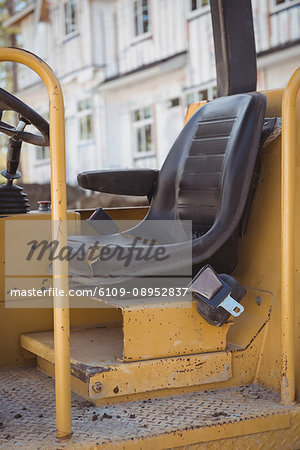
99	372
243	417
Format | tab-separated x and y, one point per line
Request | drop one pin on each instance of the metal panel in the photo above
258	307
170	328
130	378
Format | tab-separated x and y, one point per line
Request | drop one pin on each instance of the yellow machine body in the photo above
228	378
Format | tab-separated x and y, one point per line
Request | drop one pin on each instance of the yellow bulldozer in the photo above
167	326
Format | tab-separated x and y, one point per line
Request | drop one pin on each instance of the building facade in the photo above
129	68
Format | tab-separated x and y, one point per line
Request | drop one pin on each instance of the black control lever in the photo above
12	198
13	155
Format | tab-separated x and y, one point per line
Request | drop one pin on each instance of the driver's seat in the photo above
206	178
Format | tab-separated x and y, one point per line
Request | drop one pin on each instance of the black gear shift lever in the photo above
12	198
13	155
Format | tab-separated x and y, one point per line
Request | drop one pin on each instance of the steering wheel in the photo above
27	115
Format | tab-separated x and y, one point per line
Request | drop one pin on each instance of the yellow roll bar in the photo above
288	163
59	232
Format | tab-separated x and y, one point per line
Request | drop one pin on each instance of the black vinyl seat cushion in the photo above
206	178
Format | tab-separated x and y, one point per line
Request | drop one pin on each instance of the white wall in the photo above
121	103
201	66
167	35
277	75
105	48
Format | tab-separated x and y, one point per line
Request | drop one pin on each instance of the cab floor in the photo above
27	416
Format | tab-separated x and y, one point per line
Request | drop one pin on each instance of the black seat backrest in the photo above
206	178
207	174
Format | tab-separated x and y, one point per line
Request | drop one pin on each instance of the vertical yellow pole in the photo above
288	161
60	268
59	233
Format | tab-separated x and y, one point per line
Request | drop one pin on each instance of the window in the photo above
70	25
173	102
197	4
141	17
214	92
281	4
84	108
200	95
197	96
42	153
142	124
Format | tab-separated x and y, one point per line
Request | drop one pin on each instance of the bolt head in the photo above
258	301
97	387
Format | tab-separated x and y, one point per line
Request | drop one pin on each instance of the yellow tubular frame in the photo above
288	162
59	232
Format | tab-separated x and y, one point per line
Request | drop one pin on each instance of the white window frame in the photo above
282	6
201	9
82	115
199	4
141	34
211	93
171	100
42	155
141	125
67	18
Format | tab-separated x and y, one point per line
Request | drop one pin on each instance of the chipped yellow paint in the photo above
95	359
179	330
243	372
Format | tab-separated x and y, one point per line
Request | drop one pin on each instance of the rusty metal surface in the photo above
165	373
96	355
28	415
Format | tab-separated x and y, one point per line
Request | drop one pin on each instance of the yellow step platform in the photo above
100	374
